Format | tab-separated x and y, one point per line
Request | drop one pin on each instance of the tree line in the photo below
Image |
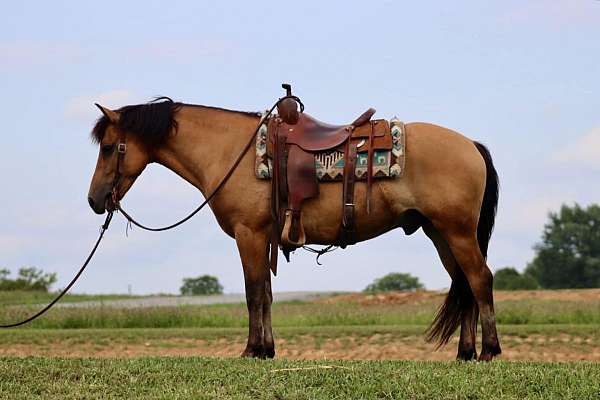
568	255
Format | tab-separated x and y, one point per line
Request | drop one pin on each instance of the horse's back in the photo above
443	170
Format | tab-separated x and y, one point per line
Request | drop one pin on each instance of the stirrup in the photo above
287	227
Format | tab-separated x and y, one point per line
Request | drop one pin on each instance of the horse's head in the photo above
121	159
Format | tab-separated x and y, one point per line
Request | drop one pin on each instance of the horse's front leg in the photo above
268	340
252	246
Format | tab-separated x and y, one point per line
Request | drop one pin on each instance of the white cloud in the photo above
35	54
557	14
82	108
528	216
12	245
584	151
181	50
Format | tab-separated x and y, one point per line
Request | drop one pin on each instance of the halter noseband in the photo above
121	150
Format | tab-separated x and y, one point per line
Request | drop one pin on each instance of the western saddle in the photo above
294	138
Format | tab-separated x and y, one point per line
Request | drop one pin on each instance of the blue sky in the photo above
522	77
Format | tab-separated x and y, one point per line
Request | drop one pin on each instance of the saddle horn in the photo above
287	107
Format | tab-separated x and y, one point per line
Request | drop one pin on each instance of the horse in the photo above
449	188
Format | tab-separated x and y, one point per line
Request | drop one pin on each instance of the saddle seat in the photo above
313	135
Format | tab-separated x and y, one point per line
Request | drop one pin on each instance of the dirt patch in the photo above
417	297
425	296
307	347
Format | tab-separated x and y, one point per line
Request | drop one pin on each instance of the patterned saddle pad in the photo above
330	165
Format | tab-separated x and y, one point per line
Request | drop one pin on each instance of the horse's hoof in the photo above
254	352
488	353
270	352
467	354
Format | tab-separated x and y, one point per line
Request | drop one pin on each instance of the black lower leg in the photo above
468	334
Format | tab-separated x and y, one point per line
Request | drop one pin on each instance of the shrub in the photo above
510	279
202	285
396	281
29	278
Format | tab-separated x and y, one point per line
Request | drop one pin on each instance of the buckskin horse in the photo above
449	188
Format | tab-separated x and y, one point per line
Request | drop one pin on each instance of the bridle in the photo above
121	150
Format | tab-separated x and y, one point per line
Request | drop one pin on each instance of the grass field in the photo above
338	347
78	378
18	297
415	309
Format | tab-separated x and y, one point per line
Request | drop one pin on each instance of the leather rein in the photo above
121	151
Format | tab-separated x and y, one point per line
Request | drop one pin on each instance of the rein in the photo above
122	145
121	151
103	229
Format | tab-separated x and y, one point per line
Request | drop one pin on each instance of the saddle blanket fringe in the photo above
330	165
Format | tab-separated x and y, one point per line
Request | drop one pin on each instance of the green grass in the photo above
17	297
536	311
524	312
282	379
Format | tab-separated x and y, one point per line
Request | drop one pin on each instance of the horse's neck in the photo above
206	143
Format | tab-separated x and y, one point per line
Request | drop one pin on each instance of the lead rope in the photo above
103	229
130	219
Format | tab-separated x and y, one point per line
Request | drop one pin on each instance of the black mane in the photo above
151	122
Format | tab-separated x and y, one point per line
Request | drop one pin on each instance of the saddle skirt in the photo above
388	154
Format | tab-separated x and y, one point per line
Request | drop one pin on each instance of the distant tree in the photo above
569	254
201	285
4	273
510	279
29	278
397	281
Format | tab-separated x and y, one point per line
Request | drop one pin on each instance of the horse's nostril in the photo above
91	201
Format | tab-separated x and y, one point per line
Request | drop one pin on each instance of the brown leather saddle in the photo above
293	141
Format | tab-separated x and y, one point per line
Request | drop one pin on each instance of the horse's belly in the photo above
322	216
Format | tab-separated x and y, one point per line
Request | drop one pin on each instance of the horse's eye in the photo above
107	148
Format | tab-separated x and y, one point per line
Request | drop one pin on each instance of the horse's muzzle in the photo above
100	207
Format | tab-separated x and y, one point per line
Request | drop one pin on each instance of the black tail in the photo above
459	301
487	215
460	298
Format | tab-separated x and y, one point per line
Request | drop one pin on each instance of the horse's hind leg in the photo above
468	332
252	247
465	249
469	309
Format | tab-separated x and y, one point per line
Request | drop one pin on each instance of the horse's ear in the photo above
112	116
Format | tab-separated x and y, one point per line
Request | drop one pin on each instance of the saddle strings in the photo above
320	252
